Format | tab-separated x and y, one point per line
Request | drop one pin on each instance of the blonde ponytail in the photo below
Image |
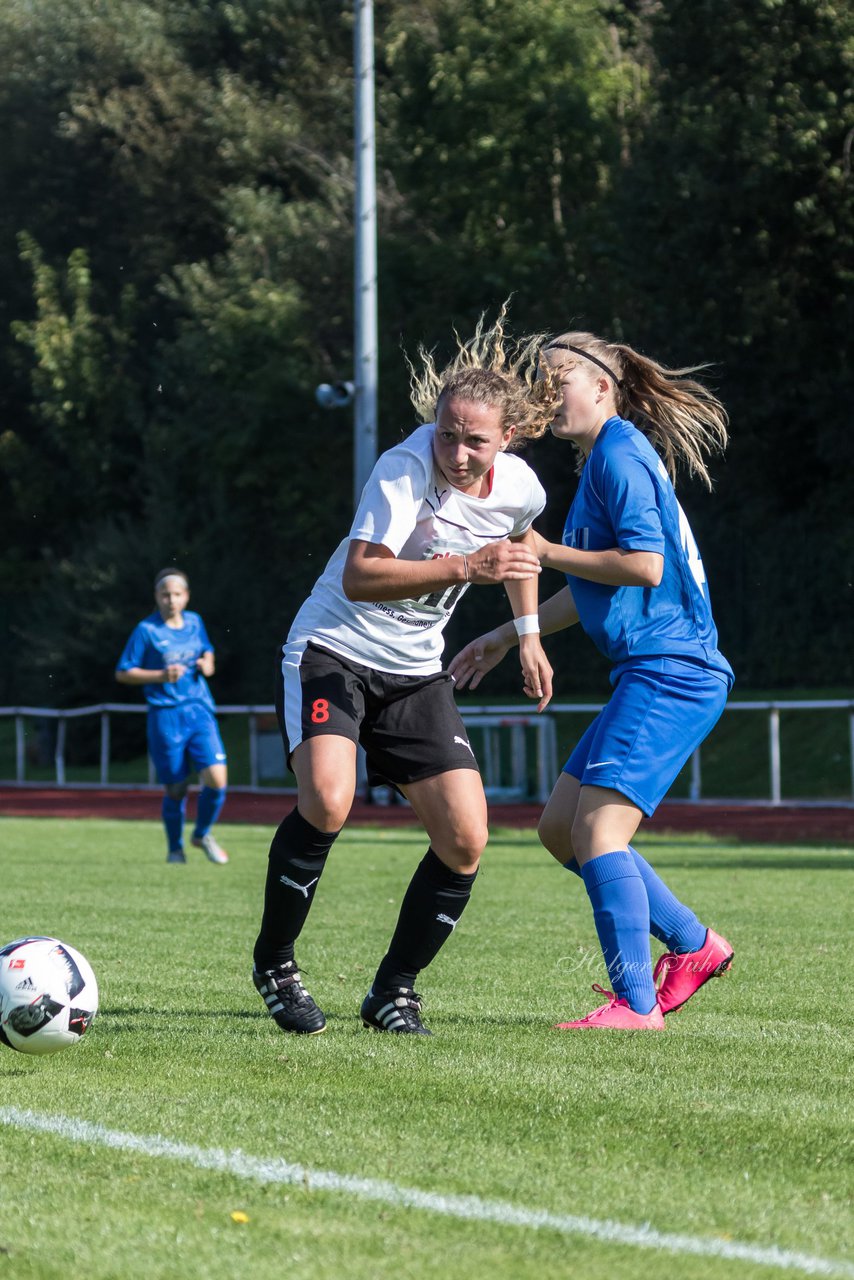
682	419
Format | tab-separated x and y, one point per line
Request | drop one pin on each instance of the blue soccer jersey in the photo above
154	646
625	499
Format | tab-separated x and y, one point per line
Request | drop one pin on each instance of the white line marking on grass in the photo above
472	1208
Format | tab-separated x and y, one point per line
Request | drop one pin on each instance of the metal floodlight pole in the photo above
365	251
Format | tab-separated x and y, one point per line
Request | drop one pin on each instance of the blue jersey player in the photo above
169	654
635	582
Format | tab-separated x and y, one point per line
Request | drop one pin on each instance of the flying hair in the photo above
682	419
494	369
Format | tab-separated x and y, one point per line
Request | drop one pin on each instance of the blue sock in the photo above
670	920
621	911
211	800
173	821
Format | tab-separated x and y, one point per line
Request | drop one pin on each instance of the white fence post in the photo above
491	756
546	758
774	748
696	776
59	754
20	749
253	749
105	747
519	757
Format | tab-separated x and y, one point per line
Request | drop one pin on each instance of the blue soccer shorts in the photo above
659	713
182	739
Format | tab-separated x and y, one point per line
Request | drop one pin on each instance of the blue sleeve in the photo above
631	498
133	654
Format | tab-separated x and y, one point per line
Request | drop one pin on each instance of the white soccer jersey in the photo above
409	507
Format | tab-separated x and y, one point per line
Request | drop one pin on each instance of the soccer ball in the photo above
48	995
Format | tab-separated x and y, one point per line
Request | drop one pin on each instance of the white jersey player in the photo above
410	507
445	509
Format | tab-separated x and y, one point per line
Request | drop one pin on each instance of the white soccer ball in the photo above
48	995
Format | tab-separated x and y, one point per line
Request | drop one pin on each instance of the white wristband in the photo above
528	625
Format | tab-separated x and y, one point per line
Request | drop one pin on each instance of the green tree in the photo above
502	131
147	144
248	478
74	464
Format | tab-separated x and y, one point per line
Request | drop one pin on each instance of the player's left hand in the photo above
537	671
471	664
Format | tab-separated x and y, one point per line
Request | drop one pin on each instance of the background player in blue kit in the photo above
635	581
170	655
446	507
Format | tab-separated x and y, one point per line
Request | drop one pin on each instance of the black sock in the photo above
431	907
297	858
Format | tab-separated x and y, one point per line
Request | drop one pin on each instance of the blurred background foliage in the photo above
176	247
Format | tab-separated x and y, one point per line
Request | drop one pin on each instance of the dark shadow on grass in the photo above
700	841
529	1021
704	855
109	1017
676	840
198	1015
756	862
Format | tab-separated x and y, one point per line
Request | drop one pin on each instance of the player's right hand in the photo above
471	664
502	562
172	674
537	672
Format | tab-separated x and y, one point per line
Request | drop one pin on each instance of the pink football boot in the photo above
618	1015
685	974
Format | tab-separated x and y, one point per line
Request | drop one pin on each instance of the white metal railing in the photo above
505	767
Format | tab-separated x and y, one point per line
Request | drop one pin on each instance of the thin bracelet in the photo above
527	625
466	567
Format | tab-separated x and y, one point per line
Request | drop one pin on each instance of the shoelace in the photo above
290	983
597	1013
302	994
664	964
411	1001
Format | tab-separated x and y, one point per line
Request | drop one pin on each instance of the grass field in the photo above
720	1141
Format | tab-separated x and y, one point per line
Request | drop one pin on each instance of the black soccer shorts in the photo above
409	726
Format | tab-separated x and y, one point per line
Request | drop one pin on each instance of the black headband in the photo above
579	351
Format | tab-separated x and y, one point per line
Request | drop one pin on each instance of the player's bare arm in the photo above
614	567
373	572
206	664
472	663
537	671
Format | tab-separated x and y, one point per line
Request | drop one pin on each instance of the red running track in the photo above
752	823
